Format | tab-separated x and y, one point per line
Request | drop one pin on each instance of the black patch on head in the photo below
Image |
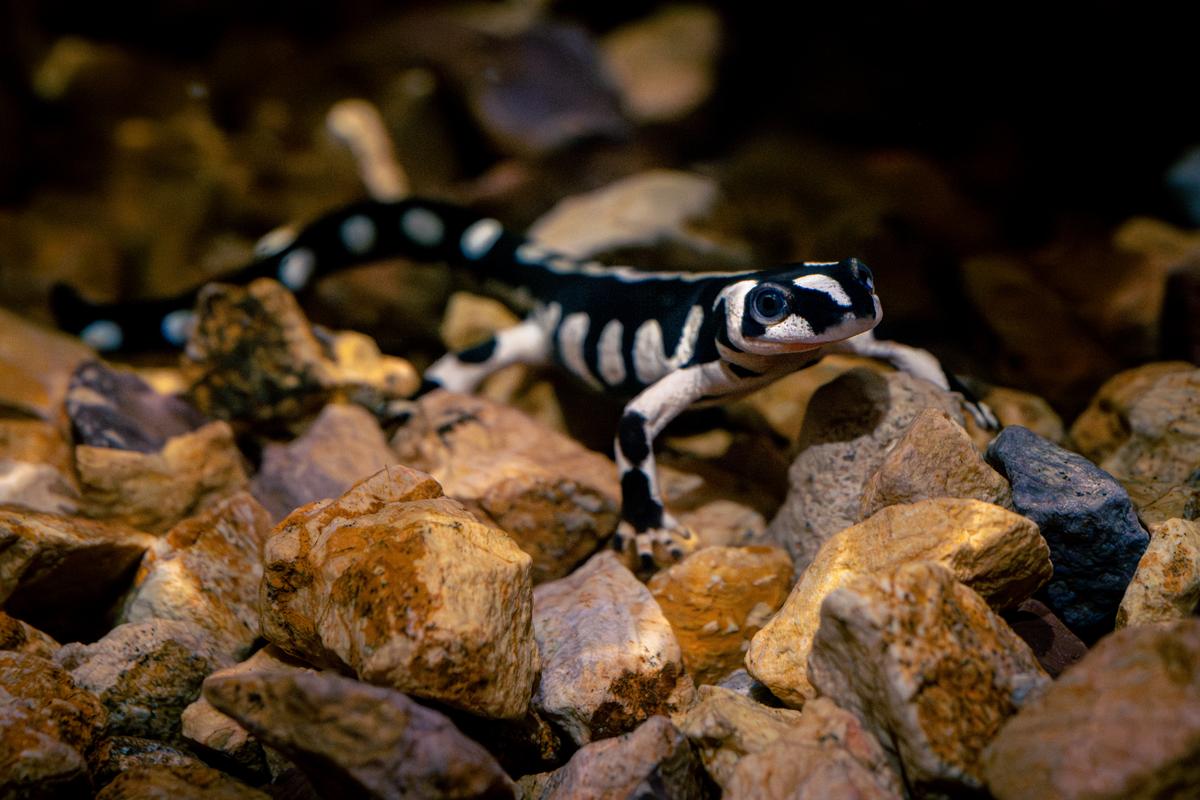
638	508
479	353
631	436
743	372
751	328
821	311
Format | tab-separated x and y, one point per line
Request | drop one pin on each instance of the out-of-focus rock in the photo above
34	441
1104	425
206	571
1086	518
145	674
1157	502
343	445
35	367
934	458
927	666
153	491
35	467
1015	407
996	552
716	599
117	409
406	589
1122	723
723	507
1052	643
47	725
177	782
609	657
724	726
22	637
1166	585
850	425
742	682
353	739
557	500
118	754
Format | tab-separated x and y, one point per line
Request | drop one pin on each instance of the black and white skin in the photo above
667	341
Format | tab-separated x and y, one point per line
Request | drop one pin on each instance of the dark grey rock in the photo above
1086	517
743	683
111	408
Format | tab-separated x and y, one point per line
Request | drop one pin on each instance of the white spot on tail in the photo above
274	241
479	239
103	335
423	227
296	268
177	326
358	234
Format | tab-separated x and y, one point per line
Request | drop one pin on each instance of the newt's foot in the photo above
645	551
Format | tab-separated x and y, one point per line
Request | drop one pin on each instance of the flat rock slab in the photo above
115	408
609	657
1087	519
356	740
1123	724
177	782
405	588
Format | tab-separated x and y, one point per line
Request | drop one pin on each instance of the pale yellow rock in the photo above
724	726
1166	585
35	366
1015	407
1164	433
1104	426
998	553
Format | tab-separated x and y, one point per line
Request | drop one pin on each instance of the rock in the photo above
724	726
34	441
206	571
609	657
37	487
47	724
21	637
1166	585
654	760
1087	519
998	553
1014	407
1052	643
722	507
343	445
828	755
177	782
356	740
1122	723
934	458
145	674
557	500
927	666
1104	425
404	588
850	425
742	682
1180	333
61	573
154	491
117	409
1158	502
664	64
118	754
716	599
35	367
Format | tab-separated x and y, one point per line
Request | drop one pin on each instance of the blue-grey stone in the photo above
1087	519
117	409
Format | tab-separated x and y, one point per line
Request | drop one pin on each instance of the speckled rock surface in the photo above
716	600
1166	585
21	637
404	588
177	782
933	458
927	666
115	408
117	754
993	550
1087	519
724	726
35	366
145	674
1163	421
352	739
153	491
1123	723
609	657
206	570
38	487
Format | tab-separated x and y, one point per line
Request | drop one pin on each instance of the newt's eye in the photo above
768	303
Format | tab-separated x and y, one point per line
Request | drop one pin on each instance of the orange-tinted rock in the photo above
1015	407
177	782
725	726
1166	585
117	754
35	366
24	638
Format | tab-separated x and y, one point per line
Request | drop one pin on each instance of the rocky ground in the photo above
221	576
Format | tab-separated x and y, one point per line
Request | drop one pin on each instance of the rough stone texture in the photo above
145	674
206	571
47	724
1087	519
850	424
1014	407
609	657
59	572
22	637
38	487
117	409
34	441
356	740
1052	643
404	588
118	754
927	666
35	367
1123	723
1157	502
557	500
153	491
742	682
1163	421
177	782
655	760
934	458
716	600
827	756
343	445
724	726
1166	585
998	553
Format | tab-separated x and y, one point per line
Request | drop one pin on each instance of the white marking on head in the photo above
103	335
612	360
177	326
826	284
571	334
358	234
296	268
423	226
479	239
